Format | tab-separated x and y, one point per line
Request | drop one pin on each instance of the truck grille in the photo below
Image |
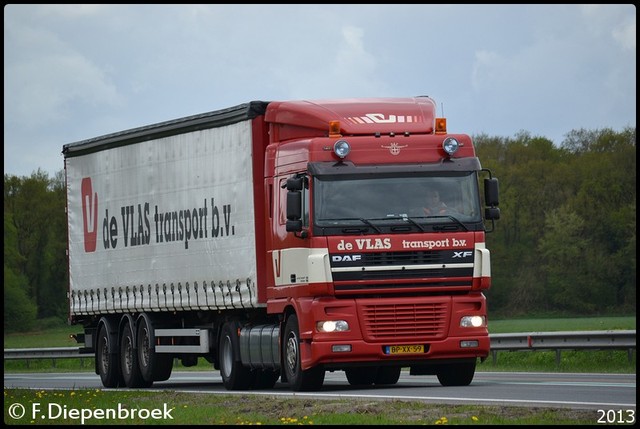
433	268
391	322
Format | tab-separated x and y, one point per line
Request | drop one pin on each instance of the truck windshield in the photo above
374	201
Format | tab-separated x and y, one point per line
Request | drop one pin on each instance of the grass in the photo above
562	324
95	406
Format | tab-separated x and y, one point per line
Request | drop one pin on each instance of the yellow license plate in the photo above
399	350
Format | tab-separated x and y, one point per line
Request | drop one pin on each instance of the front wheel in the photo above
361	376
459	374
298	379
388	375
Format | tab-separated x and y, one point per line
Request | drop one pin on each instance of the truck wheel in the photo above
459	374
107	362
362	376
153	366
298	379
388	375
235	376
129	360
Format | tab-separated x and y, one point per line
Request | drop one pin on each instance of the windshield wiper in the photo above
369	223
361	219
455	219
405	218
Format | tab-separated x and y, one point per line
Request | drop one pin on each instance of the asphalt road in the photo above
579	391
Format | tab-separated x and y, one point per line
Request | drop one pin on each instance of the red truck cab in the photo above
368	280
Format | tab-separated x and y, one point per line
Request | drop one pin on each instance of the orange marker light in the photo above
334	129
441	125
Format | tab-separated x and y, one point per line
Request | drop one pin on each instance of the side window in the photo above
282	204
305	202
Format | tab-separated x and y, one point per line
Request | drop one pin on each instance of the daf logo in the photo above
346	258
394	148
465	254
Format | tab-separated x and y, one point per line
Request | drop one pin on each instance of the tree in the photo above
19	309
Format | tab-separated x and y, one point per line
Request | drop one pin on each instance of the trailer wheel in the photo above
298	379
153	366
388	375
235	376
107	361
459	374
129	360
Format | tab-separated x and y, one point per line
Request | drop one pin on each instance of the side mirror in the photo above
492	213
491	192
294	209
491	199
294	184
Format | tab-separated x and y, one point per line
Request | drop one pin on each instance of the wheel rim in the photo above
292	353
127	354
145	343
104	355
226	360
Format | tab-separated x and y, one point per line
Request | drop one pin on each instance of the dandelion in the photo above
474	418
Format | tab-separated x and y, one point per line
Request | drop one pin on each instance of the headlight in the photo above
341	148
450	145
332	326
472	322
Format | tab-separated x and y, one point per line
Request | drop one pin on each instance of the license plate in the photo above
398	350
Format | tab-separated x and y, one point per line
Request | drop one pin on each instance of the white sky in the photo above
73	72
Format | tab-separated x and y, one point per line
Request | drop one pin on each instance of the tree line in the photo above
565	244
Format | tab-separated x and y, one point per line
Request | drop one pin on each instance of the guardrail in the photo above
52	353
565	340
558	341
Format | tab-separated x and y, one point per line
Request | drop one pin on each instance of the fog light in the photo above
339	348
465	344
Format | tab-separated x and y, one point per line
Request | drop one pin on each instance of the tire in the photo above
107	359
153	366
299	380
361	376
235	376
388	375
459	374
129	360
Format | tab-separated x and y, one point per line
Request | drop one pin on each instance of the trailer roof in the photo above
202	121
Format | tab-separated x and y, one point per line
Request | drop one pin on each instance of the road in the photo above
578	391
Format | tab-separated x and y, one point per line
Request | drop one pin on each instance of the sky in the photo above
74	72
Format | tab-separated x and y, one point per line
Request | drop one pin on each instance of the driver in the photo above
433	205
